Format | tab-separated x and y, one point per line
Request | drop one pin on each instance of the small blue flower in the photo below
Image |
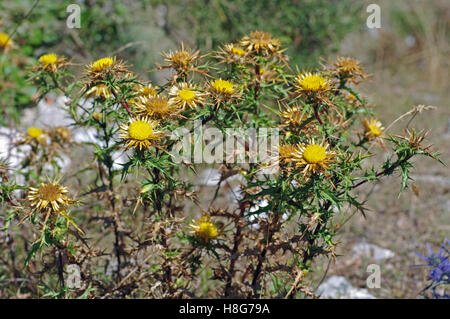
439	263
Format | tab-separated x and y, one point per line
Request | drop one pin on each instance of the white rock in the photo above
209	177
45	114
12	154
372	251
337	287
235	194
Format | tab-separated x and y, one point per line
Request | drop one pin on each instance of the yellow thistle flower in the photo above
49	195
314	157
308	82
63	133
373	128
260	42
99	91
97	70
184	94
352	98
35	132
5	41
237	51
97	116
286	153
294	116
204	228
267	75
223	87
415	139
140	133
155	106
52	197
181	60
231	53
51	62
348	65
147	90
347	68
48	59
102	65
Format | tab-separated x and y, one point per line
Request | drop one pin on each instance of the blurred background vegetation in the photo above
138	30
408	58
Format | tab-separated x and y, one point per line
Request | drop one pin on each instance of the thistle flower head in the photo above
140	133
231	53
293	115
35	135
260	42
103	64
182	60
99	91
415	139
347	69
204	228
185	94
237	51
373	128
34	132
51	62
146	90
314	83
223	87
100	69
286	153
313	157
155	106
347	65
63	133
48	59
5	41
49	196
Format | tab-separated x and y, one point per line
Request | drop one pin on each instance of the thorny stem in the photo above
12	247
58	86
316	114
262	257
158	201
124	104
115	218
258	73
383	172
237	241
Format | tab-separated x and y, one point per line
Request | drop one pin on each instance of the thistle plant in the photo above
142	229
